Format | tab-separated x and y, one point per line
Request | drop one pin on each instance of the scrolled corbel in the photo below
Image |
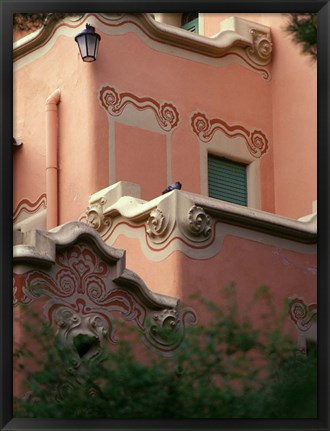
95	217
156	223
159	225
167	329
197	224
261	50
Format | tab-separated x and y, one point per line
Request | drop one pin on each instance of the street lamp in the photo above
88	42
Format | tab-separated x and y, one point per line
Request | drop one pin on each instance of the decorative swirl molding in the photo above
261	50
114	103
95	217
168	330
205	128
76	311
159	226
93	326
156	223
30	207
86	287
199	223
301	314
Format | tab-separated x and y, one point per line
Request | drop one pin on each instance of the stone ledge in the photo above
191	214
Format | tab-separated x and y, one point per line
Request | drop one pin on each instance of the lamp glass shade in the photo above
88	42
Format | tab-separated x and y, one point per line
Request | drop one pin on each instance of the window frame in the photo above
233	149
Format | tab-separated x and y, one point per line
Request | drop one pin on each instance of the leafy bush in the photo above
303	29
228	368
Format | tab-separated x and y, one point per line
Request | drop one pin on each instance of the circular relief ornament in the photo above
156	224
199	223
96	218
261	50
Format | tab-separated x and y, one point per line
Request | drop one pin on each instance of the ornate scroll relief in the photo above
160	224
204	128
304	318
95	217
172	218
261	50
71	326
114	103
87	288
116	203
198	226
301	314
155	225
167	327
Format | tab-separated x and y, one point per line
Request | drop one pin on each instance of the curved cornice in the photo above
261	221
35	40
250	41
192	215
237	33
40	247
84	283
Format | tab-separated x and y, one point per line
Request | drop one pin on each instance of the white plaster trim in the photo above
34	221
29	38
112	150
201	26
169	158
37	51
234	149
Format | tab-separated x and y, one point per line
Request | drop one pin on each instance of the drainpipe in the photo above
51	158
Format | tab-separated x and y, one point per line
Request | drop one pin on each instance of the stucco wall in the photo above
142	69
150	73
248	263
294	116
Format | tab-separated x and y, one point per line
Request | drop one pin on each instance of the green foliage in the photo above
303	28
227	368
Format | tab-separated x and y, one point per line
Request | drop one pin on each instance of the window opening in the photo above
227	180
189	22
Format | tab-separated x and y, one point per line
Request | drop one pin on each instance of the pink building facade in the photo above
102	140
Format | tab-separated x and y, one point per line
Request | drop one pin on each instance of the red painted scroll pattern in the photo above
114	103
205	128
80	295
302	314
30	207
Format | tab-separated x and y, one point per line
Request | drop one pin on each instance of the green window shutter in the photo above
191	26
227	180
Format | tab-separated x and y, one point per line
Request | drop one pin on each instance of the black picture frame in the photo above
8	7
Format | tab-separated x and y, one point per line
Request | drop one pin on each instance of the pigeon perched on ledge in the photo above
175	186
